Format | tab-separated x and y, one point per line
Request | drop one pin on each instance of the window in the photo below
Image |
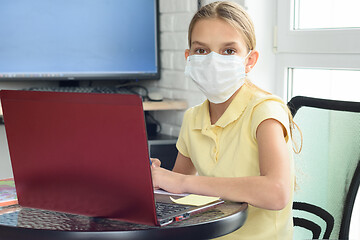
313	26
324	83
335	14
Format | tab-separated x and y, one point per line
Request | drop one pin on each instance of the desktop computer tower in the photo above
163	147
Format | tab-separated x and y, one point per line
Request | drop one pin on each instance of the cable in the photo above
151	118
134	88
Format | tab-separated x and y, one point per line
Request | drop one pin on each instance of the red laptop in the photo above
82	153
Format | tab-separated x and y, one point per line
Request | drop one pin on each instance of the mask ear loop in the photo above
247	55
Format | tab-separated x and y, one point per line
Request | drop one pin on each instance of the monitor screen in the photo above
78	39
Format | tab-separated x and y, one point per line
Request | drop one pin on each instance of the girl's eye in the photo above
229	51
200	51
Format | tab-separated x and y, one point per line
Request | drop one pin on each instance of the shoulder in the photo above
195	112
263	106
190	112
264	102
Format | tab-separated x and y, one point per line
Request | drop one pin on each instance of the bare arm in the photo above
270	190
184	165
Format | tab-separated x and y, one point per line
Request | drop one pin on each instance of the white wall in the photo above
263	13
5	165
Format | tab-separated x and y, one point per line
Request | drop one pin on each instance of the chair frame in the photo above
294	105
313	227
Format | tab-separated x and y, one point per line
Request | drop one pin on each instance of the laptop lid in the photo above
81	153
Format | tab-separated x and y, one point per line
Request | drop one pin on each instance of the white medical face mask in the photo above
217	76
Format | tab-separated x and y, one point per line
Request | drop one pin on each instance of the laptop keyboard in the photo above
166	209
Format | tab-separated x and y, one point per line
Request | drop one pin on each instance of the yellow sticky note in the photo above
195	200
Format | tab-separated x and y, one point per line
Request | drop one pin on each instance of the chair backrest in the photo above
327	169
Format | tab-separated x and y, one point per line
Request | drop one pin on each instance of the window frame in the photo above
302	41
287	61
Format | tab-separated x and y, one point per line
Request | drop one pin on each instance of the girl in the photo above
237	144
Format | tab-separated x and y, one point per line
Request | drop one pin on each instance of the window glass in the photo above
325	83
315	14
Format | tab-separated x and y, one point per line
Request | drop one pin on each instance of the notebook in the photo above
83	153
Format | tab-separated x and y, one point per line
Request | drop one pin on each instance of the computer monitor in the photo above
79	40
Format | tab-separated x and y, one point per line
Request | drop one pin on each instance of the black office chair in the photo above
328	167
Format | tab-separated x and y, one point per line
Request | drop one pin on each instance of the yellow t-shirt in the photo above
229	149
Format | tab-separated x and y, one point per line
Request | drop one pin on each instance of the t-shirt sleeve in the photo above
182	141
270	109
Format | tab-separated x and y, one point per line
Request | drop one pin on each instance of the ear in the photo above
252	59
187	53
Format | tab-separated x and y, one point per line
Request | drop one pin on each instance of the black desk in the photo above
28	223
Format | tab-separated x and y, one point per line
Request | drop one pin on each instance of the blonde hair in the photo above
233	14
237	17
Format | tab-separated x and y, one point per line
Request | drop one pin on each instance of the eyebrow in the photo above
198	43
230	43
204	44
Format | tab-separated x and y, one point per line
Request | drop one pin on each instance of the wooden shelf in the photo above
166	104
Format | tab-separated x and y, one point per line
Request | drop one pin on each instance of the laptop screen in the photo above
82	153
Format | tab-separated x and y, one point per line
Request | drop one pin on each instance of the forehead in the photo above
216	31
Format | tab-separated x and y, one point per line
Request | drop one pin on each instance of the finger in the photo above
155	162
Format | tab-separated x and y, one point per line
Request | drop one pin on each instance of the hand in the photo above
155	162
166	180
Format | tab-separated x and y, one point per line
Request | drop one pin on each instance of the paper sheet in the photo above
195	200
